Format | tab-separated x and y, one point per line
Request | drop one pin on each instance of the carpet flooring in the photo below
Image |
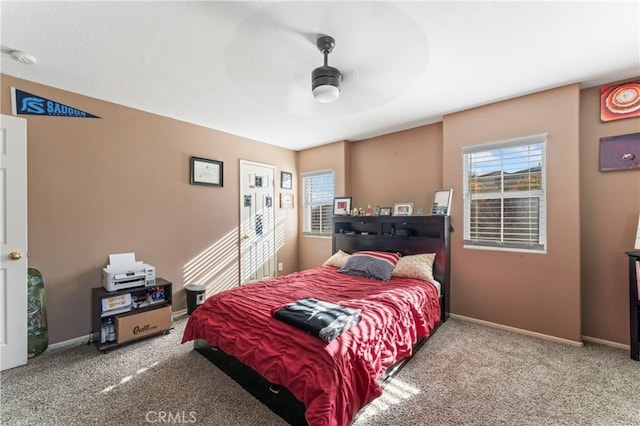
466	374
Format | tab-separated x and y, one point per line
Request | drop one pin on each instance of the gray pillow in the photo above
371	264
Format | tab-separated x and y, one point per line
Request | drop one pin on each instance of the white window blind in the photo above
504	194
317	202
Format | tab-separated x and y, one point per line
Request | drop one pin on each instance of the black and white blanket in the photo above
319	318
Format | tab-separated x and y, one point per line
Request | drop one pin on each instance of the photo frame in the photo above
342	206
286	180
442	202
203	171
620	152
385	211
403	209
286	200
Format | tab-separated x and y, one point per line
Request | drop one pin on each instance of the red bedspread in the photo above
333	380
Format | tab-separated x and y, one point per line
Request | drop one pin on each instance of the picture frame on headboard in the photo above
442	202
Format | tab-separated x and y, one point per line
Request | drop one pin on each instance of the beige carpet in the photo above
465	374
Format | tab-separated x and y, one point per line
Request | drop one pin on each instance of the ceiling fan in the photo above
325	80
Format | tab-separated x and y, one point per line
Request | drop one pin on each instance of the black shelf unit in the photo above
405	234
100	293
634	304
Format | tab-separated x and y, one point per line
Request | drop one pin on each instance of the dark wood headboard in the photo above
405	234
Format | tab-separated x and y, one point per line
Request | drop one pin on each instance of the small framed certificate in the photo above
205	172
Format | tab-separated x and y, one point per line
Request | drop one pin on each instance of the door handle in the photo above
15	255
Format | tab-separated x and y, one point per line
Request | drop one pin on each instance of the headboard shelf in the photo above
405	234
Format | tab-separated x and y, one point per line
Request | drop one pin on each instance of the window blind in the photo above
504	194
317	195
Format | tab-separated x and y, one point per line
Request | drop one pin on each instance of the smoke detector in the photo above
22	57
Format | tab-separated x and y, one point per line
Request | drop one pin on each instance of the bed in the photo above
302	378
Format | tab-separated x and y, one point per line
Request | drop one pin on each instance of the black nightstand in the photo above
634	303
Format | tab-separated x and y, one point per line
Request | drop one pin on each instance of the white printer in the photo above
124	272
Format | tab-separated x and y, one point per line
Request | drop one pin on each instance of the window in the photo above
504	194
317	202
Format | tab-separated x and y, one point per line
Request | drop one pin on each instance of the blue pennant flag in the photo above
27	104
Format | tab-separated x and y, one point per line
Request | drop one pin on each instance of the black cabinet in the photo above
132	314
634	303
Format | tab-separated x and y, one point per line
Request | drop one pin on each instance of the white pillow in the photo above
339	259
418	266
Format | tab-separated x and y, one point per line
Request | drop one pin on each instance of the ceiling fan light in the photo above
325	84
326	93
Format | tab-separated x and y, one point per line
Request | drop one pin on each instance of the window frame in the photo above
541	194
307	205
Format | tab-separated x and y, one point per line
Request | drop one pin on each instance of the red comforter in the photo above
333	380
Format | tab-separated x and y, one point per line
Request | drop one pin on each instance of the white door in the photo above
257	221
13	238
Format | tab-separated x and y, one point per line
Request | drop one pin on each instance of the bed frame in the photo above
405	234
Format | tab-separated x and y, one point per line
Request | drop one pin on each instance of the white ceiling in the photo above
245	67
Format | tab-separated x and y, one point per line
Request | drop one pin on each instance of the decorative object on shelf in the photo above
342	206
419	212
618	101
403	209
442	202
355	212
620	152
286	200
385	211
376	211
205	172
369	210
286	180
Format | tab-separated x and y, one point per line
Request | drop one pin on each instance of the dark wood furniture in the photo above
405	234
634	303
99	317
419	234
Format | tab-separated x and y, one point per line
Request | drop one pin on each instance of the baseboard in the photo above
518	330
606	343
86	339
82	340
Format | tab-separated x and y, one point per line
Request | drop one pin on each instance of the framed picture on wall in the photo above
286	200
286	180
618	101
205	172
620	152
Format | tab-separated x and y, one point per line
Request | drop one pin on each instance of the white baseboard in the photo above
82	340
85	339
606	343
518	330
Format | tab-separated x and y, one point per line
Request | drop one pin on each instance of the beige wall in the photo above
121	184
579	286
609	206
315	250
536	292
398	168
